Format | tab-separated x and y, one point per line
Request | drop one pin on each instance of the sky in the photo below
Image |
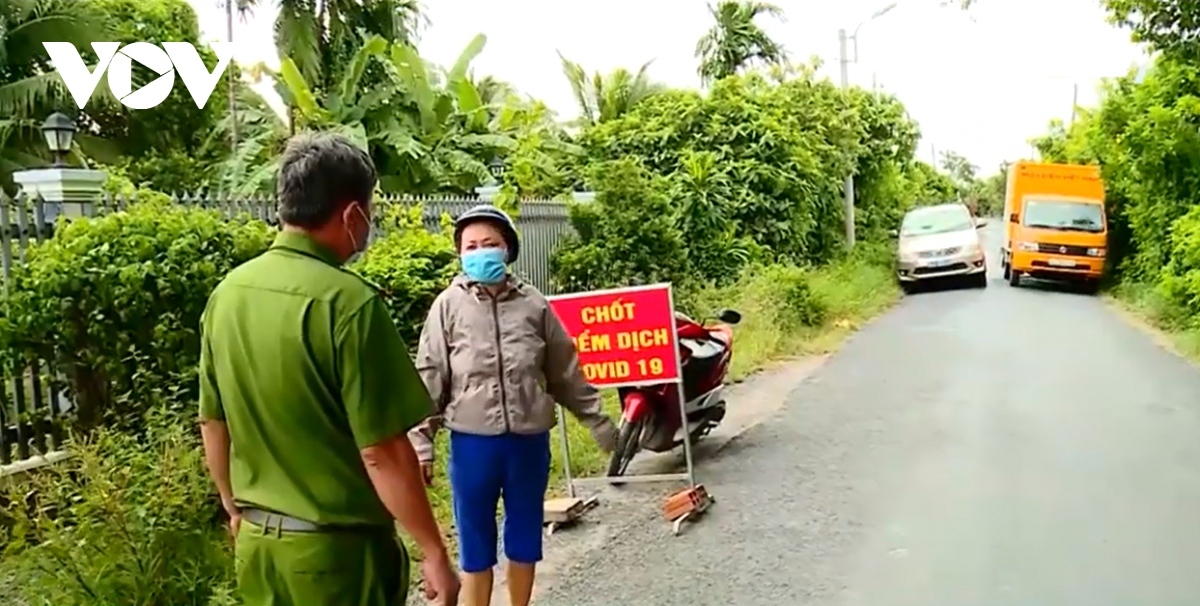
979	83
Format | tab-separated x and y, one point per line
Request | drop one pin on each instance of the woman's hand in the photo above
427	472
605	435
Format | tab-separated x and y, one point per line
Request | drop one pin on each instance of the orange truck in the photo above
1055	224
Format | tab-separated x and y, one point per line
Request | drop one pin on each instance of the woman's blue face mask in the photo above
485	265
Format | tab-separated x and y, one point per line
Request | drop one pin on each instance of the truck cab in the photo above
1056	228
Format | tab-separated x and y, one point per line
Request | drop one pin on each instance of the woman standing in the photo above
495	358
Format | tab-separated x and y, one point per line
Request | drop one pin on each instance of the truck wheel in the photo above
626	447
1014	278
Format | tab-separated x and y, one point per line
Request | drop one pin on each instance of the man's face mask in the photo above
361	244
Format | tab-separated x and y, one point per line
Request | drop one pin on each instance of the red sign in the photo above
624	336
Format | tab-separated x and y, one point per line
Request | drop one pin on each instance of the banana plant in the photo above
444	142
343	110
427	129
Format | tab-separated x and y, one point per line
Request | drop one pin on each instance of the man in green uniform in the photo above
306	397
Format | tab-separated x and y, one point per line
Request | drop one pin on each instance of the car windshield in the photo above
937	220
1065	216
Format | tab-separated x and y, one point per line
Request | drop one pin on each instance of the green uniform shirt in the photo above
301	360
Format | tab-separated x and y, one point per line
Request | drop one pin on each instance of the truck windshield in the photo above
925	221
1065	216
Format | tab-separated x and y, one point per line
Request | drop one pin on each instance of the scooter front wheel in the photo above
628	438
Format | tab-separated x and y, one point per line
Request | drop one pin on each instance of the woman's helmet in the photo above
495	216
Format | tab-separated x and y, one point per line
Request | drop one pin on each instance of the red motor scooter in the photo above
650	418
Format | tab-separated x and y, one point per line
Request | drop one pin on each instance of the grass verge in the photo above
1175	328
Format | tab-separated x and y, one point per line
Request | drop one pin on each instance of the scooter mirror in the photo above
729	316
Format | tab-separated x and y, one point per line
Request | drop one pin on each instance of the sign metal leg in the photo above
566	451
687	437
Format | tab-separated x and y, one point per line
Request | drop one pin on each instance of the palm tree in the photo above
493	91
30	88
735	41
604	97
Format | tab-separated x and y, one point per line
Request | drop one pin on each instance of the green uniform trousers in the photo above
282	568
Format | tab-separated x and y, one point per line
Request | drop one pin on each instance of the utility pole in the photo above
1074	103
845	64
233	123
933	155
849	187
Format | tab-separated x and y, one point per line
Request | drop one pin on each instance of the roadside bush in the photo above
798	304
127	520
626	236
116	301
1180	279
757	167
786	148
410	266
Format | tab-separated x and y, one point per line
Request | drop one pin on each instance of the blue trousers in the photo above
484	469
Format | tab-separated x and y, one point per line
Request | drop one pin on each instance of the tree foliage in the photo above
736	41
29	89
1144	137
1170	26
427	129
322	38
606	96
755	172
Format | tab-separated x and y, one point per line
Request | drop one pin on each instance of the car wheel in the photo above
980	280
1014	278
1091	287
908	287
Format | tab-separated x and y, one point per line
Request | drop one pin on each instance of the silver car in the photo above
940	242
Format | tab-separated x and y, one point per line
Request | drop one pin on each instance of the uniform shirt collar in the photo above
304	244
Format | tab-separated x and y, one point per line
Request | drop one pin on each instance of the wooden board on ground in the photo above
566	510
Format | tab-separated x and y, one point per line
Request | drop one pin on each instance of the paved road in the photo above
974	447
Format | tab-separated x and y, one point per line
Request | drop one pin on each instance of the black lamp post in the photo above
59	131
496	167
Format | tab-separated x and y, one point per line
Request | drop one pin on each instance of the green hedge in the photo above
115	301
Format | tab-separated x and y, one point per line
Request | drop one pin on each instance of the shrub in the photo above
626	236
799	304
116	301
761	161
410	266
127	520
1179	281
